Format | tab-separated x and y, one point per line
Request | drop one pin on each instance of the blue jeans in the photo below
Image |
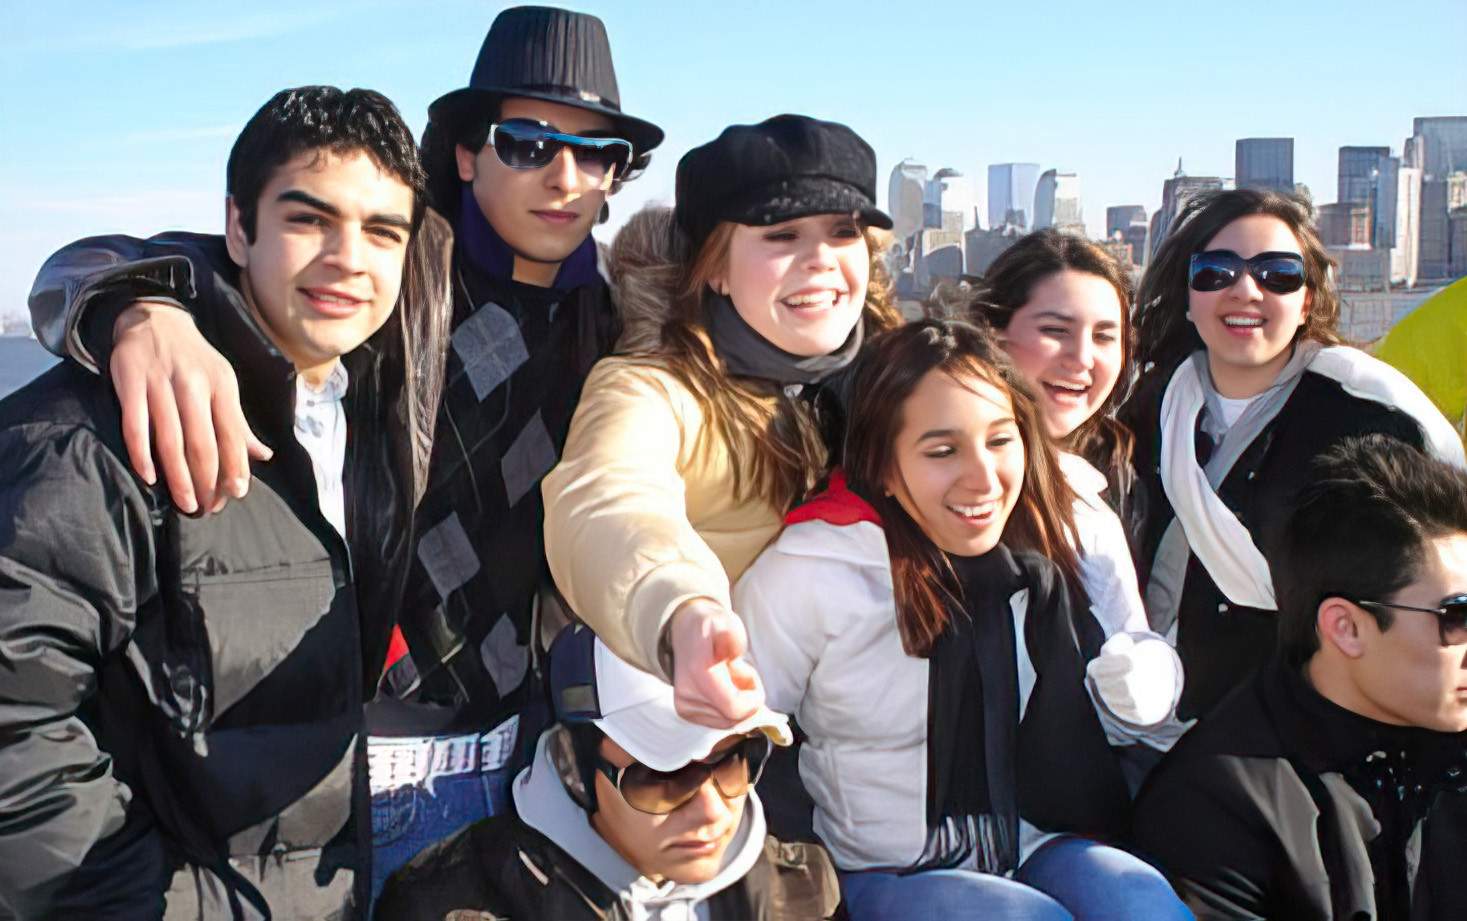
1068	879
426	788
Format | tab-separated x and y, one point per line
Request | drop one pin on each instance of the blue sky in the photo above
119	116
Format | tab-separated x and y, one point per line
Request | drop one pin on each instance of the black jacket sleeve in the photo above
83	287
76	562
1197	821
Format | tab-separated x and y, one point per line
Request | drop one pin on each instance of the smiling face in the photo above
1248	331
323	271
1404	675
802	284
1066	341
688	844
542	214
959	462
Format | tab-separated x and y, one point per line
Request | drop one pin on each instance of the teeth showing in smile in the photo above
1069	388
972	511
334	298
1243	322
810	300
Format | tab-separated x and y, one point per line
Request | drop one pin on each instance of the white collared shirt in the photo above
320	427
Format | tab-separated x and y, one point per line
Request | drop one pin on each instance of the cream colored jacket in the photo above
640	514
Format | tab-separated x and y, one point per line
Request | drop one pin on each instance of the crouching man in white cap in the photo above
629	812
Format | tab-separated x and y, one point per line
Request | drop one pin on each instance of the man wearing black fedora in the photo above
521	161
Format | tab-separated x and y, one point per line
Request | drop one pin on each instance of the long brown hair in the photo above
1006	288
776	441
1165	337
1042	521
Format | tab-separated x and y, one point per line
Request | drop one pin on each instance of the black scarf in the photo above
973	721
986	768
748	354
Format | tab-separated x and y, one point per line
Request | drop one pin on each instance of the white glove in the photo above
1139	680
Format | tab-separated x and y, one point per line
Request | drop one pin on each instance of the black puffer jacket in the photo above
186	694
1220	642
501	869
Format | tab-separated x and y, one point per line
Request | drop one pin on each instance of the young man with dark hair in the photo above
1334	784
627	811
521	162
182	697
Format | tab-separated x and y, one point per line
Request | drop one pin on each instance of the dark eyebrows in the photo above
325	207
949	433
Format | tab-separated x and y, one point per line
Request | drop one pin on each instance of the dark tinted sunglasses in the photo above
1216	269
659	792
521	143
1451	616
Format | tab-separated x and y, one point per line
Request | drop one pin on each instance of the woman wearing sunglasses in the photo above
1061	308
1244	383
919	624
741	306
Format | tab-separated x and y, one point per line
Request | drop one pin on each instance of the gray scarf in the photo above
748	354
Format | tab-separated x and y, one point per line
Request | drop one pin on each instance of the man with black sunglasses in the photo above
521	162
1334	783
627	812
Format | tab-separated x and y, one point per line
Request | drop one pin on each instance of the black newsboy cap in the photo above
785	167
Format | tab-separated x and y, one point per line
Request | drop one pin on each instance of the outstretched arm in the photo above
622	551
122	303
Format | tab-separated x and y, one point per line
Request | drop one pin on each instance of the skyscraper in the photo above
1174	195
1119	218
1264	163
904	198
1439	147
1011	194
1057	203
1358	171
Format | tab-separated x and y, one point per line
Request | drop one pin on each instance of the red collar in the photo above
837	505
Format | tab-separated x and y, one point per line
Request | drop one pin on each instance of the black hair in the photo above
323	119
574	751
1359	532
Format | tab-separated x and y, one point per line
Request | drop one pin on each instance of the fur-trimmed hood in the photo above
645	266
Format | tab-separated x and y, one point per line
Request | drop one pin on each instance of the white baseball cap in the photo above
590	683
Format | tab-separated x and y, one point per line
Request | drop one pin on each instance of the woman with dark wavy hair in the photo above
1244	381
916	617
1061	307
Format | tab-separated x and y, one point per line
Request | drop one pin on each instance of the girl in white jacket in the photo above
919	624
1061	308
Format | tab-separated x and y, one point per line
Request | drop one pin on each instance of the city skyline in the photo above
119	119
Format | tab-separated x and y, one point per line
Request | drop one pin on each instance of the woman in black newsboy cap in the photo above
742	307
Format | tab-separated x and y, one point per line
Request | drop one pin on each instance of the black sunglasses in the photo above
1451	616
522	143
659	792
1216	269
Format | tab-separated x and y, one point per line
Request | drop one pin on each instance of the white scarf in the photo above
1221	542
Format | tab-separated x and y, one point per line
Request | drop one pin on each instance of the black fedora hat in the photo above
541	52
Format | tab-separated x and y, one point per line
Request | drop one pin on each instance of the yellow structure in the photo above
1430	347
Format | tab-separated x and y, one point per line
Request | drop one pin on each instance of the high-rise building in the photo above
1264	163
981	247
1011	194
1057	203
1175	192
1358	170
1344	224
1119	218
904	199
1136	236
947	201
1439	147
1397	219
